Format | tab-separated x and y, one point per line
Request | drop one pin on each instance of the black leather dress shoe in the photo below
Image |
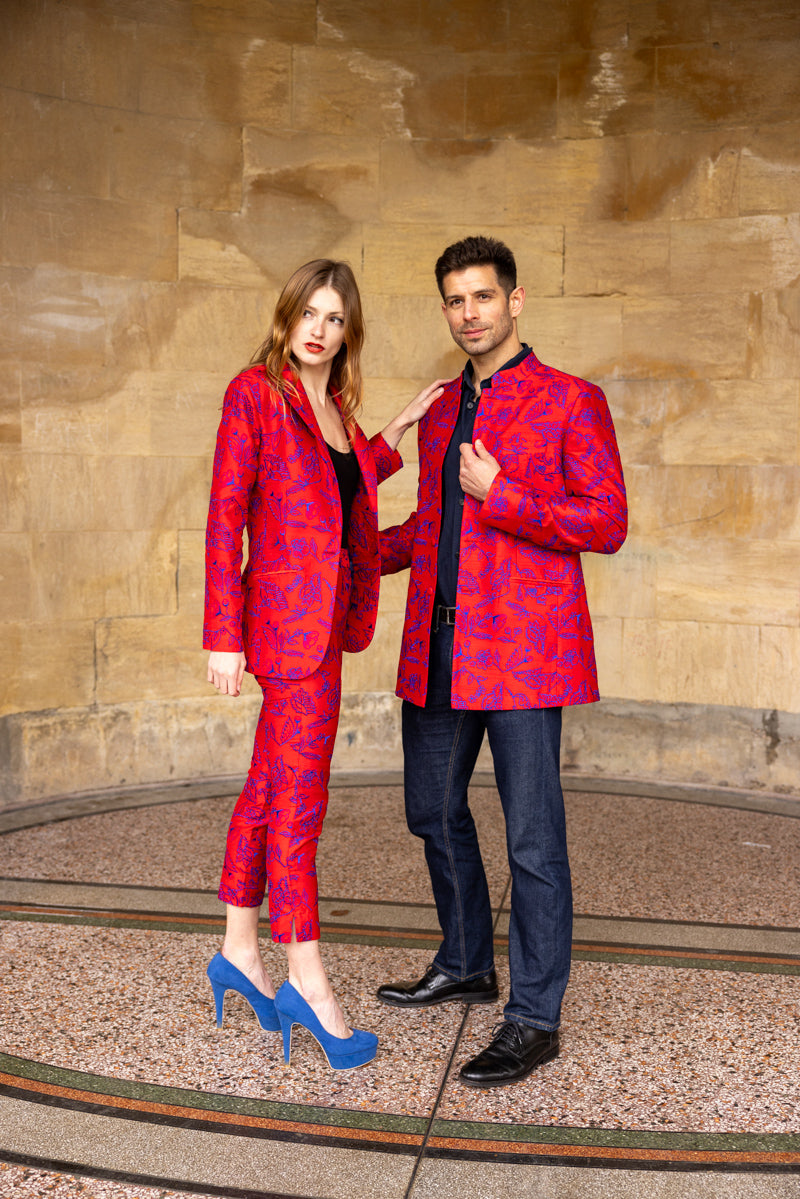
514	1051
435	987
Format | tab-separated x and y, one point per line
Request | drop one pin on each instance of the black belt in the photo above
442	615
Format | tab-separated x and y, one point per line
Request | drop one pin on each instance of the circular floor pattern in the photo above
680	1038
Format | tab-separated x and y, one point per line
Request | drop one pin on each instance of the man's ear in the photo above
516	301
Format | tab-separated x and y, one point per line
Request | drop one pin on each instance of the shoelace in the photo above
506	1032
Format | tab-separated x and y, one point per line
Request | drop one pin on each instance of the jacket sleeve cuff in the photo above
387	461
222	641
496	506
509	508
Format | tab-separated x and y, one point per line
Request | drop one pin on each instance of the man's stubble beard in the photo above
498	335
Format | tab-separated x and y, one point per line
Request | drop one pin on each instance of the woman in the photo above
292	465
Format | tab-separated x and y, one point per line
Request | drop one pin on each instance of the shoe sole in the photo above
507	1082
488	997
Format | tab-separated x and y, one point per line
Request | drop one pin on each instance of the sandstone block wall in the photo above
164	165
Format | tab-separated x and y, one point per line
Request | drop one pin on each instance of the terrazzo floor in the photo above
680	1066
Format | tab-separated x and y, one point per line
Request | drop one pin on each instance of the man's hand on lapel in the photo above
478	470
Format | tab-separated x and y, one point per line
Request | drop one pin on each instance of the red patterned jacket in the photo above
273	474
523	636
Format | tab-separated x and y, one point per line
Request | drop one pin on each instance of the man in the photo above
519	473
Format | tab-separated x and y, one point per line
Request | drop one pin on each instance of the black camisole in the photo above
347	476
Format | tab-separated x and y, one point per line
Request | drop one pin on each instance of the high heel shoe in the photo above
224	976
343	1053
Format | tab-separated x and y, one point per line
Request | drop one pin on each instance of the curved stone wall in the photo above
165	165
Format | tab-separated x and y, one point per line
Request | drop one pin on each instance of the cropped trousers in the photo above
275	827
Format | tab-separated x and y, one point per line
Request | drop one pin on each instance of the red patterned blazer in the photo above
273	473
523	636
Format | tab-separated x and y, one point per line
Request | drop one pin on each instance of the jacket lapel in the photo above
301	406
440	429
298	401
366	464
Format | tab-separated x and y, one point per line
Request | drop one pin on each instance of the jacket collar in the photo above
523	363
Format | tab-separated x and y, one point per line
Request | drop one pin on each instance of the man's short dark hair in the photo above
478	251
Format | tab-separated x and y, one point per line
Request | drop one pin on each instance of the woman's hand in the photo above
412	413
225	671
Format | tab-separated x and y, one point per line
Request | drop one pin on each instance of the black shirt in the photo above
452	495
347	476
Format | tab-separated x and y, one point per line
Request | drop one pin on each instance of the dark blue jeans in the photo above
441	745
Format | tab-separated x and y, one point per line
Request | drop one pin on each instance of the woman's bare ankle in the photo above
251	964
313	989
324	1005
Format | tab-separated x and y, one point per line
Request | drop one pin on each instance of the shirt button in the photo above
461	501
470	404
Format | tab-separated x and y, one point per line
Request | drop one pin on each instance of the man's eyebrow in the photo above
477	291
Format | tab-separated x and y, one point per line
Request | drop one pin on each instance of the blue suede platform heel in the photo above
224	976
343	1053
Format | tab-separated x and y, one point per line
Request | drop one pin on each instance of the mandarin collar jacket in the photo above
273	475
523	635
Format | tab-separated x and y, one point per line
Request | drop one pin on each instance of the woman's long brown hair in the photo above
274	354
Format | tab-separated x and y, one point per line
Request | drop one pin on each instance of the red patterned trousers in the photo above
277	820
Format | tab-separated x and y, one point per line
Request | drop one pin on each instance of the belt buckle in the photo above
443	615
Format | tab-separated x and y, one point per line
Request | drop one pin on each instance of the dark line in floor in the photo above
597	1162
101	802
456	1042
302	1136
53	1165
393	903
421	1152
76	882
745	928
60	1078
484	1142
735	961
